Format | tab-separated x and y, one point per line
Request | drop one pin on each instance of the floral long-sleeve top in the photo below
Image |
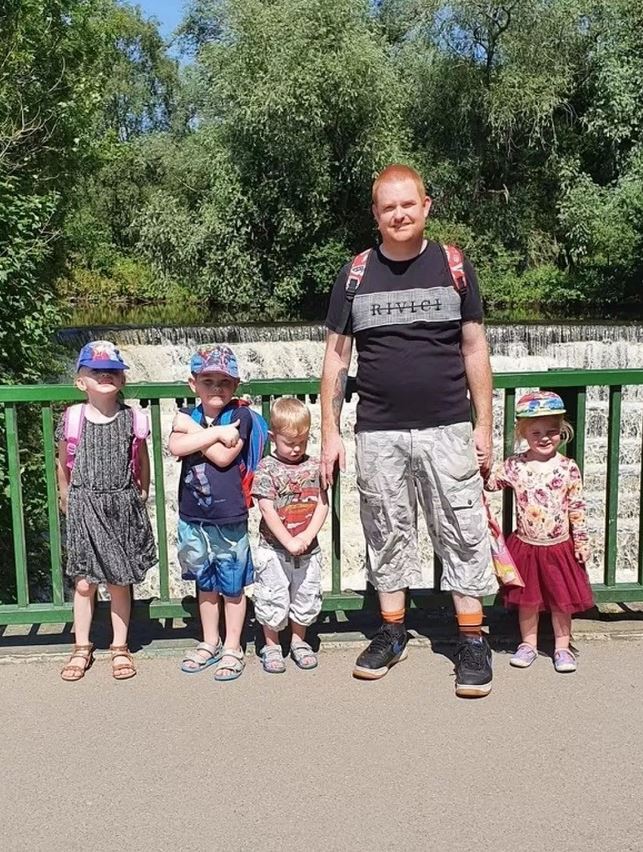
549	499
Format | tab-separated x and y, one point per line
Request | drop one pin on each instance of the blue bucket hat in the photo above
539	404
215	359
100	355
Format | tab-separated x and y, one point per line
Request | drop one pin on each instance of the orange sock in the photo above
470	623
394	616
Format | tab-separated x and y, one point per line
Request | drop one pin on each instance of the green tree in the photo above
299	107
50	83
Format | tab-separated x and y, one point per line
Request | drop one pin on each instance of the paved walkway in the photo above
318	761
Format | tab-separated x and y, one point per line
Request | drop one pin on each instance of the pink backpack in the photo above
73	429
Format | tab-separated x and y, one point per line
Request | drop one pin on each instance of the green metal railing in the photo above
571	384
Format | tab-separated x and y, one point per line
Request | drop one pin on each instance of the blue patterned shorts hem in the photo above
216	557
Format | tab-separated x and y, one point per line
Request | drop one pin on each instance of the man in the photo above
421	344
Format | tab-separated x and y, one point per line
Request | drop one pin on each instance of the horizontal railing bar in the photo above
43	613
168	390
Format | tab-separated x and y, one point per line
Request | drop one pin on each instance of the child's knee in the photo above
84	587
271	606
306	605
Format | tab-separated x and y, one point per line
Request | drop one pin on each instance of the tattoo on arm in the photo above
339	393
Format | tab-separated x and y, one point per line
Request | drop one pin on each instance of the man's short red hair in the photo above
395	172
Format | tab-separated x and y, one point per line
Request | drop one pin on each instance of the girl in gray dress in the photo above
103	477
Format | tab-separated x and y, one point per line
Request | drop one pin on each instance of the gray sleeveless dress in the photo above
109	536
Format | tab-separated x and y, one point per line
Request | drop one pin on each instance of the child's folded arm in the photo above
189	437
221	455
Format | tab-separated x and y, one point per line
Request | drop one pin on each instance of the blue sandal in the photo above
201	662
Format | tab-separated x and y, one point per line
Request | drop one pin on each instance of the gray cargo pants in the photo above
436	467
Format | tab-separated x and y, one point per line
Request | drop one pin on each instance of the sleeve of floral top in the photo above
577	508
501	475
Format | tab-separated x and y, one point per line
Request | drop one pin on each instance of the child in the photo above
550	543
288	560
109	536
213	547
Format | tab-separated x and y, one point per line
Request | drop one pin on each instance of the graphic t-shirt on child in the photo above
294	491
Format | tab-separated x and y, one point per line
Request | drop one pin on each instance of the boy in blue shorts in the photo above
213	546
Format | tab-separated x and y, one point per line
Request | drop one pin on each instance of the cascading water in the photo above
296	351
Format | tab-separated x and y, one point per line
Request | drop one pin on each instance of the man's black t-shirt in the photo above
407	323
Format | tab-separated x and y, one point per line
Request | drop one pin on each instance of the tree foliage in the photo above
524	117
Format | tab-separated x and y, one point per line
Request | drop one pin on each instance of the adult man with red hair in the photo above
421	347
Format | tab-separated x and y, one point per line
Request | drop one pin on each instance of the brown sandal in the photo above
72	672
122	671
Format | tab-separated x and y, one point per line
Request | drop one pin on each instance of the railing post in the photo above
57	588
640	569
159	501
336	534
508	447
15	494
611	495
265	413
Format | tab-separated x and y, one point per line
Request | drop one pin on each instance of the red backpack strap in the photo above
73	429
353	281
455	261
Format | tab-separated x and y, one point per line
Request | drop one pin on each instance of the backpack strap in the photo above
226	417
455	262
141	430
140	424
353	281
253	448
73	429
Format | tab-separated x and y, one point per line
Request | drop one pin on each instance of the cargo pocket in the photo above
265	610
466	511
460	484
456	456
375	521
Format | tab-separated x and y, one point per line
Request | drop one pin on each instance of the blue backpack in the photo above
254	446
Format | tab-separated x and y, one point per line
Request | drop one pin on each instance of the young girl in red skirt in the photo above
550	542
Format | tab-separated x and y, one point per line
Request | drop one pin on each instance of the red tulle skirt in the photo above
553	577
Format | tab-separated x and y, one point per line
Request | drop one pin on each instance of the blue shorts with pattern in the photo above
217	557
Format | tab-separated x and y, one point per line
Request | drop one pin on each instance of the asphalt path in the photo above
319	761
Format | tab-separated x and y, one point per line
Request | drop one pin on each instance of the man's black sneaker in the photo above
473	671
387	647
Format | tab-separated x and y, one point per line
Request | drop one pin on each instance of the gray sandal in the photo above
272	659
201	662
231	665
303	655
